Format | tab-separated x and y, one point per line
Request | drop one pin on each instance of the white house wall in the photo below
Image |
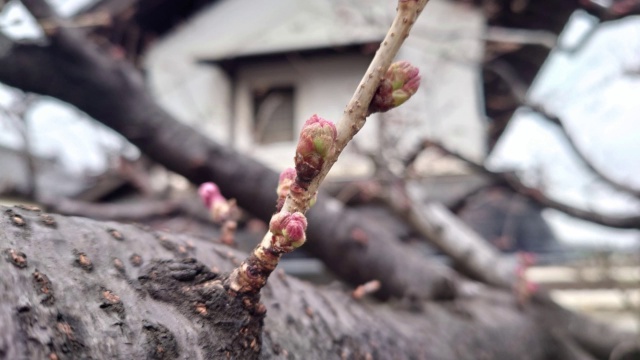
323	86
194	93
446	44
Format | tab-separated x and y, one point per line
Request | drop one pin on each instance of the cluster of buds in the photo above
399	83
288	231
316	144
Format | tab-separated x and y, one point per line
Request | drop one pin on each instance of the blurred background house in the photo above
275	63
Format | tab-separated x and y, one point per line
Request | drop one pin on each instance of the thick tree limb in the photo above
111	91
512	181
469	251
141	209
77	288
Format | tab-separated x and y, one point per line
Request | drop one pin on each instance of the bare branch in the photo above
469	251
252	274
139	210
521	36
512	181
519	89
554	119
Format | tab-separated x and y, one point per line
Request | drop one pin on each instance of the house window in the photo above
273	115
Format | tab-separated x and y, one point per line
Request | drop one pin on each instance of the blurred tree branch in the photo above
584	159
511	180
519	89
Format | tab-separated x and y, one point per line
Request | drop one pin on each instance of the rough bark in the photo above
77	288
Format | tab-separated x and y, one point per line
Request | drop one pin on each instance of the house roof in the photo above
251	28
232	62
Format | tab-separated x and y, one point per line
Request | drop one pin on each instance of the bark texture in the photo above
75	288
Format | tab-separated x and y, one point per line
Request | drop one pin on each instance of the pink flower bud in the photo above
219	207
316	143
290	225
398	85
277	223
210	193
295	229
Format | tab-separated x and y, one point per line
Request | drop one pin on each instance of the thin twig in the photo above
249	277
513	181
519	89
355	114
554	119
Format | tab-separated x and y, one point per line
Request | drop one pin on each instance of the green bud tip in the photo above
316	143
290	225
400	82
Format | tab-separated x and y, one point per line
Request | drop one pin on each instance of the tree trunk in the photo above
75	288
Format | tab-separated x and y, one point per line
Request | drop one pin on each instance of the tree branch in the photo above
544	38
554	119
252	274
470	253
513	182
112	92
519	89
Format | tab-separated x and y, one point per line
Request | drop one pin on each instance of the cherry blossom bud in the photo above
212	198
209	192
290	225
277	223
295	229
316	144
399	83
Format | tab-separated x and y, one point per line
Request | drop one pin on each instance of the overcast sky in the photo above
591	88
